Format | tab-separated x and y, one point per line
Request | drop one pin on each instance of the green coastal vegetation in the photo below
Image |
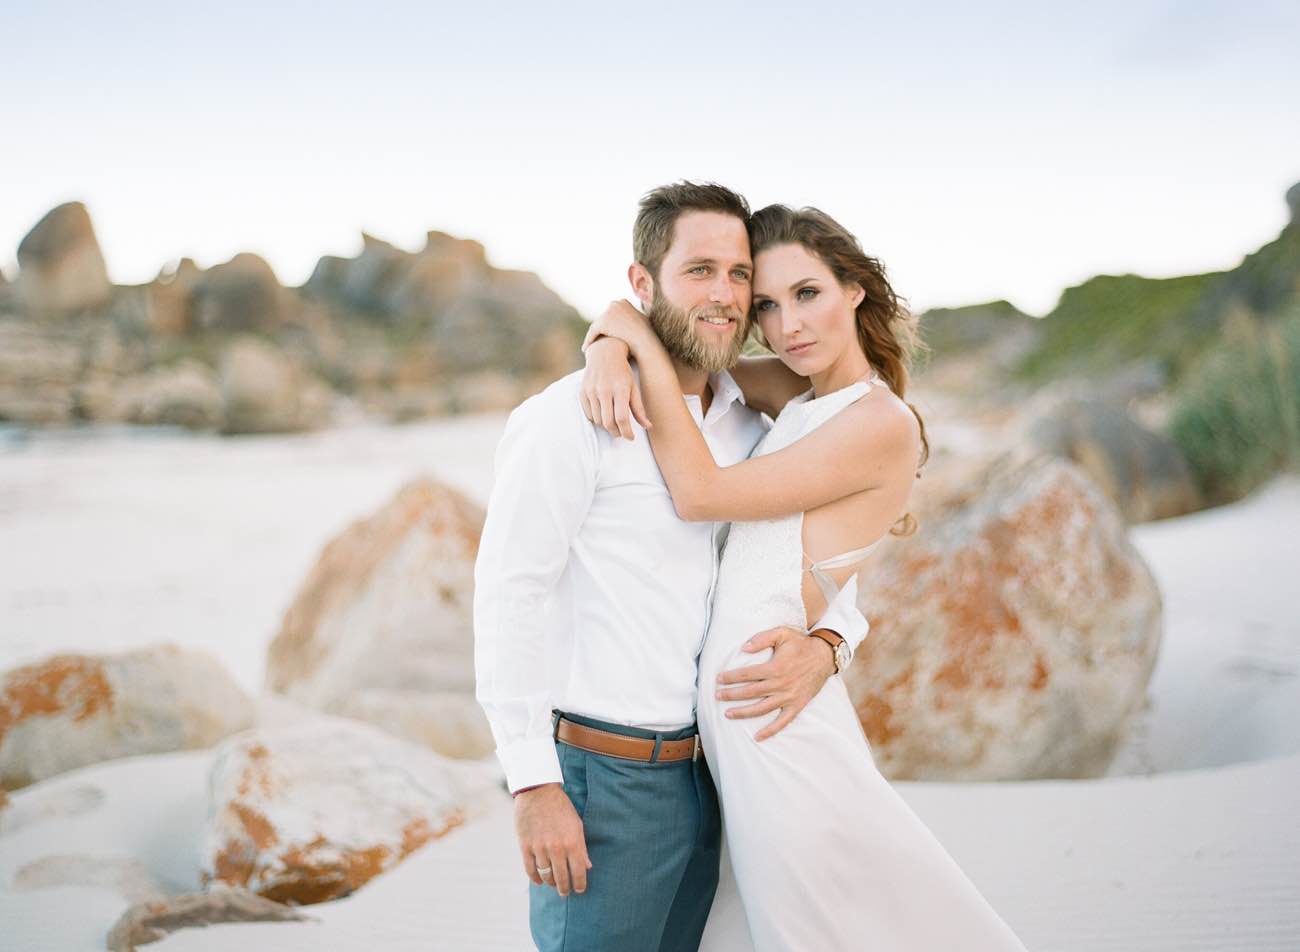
1224	345
1236	415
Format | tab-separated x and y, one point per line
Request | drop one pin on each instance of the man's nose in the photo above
723	291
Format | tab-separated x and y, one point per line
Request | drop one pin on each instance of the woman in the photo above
825	854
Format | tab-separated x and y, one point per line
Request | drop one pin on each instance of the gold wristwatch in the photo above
838	645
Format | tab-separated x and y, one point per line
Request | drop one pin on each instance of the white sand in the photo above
1226	687
1185	862
126	539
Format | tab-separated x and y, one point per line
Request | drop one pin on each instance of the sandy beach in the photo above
119	539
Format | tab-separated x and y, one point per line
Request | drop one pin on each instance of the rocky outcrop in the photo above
396	335
71	710
1141	471
239	295
310	813
60	266
263	392
185	394
382	628
151	921
1013	636
478	317
171	297
39	372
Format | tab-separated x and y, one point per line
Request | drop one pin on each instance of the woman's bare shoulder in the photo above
885	419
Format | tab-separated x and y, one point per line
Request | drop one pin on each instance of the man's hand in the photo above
799	666
610	396
550	834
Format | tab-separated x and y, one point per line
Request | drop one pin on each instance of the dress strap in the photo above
818	569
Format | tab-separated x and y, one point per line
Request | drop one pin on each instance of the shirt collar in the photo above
725	390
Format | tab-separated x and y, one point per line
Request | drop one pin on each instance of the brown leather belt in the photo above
628	748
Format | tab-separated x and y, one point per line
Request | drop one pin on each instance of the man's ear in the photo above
643	285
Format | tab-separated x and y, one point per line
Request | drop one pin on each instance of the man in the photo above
591	603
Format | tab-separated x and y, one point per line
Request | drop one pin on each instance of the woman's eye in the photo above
806	294
762	305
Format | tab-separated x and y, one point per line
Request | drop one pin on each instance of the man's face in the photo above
701	300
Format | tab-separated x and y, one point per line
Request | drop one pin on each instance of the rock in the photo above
479	318
126	876
171	296
71	710
60	266
150	921
1013	636
262	392
184	394
485	391
501	325
388	608
241	294
1141	471
312	812
1293	202
39	365
67	800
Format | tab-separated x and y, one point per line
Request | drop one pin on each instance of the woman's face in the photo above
804	312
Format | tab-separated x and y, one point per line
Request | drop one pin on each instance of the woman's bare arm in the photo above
861	448
610	395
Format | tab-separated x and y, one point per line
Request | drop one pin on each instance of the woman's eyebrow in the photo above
800	282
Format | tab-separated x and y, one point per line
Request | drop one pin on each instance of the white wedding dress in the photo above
820	853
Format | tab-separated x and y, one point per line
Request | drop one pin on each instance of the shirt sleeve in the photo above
843	617
545	477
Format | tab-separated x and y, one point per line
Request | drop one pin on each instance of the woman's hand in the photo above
623	321
610	395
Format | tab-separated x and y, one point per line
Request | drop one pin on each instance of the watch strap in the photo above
834	639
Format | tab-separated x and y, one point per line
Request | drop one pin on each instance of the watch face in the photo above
841	656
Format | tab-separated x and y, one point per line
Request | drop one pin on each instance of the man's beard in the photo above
676	328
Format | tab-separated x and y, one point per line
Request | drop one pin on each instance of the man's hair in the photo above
652	234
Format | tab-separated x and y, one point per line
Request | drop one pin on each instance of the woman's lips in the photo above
799	348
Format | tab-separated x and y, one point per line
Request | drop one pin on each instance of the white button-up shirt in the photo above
590	594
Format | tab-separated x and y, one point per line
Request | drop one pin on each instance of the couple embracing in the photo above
665	599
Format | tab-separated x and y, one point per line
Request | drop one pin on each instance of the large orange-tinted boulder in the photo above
312	812
382	628
71	710
1013	636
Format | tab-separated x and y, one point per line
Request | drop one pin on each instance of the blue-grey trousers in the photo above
653	835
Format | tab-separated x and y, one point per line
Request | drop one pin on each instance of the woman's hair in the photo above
887	330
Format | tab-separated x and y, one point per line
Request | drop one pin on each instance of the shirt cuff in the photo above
530	762
844	617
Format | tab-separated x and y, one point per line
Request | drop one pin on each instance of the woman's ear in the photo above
643	285
859	292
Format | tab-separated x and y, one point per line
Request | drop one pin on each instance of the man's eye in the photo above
740	274
699	269
806	294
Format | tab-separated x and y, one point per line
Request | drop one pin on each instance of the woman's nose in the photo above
790	324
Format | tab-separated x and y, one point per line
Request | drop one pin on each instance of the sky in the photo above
981	151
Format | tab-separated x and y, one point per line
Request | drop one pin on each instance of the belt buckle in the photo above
695	750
